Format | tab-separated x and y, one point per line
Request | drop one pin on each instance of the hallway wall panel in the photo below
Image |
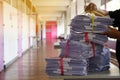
32	31
17	30
10	32
1	38
19	33
25	33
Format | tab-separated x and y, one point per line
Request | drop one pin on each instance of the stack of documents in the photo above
83	23
66	66
75	49
86	29
100	62
92	37
84	49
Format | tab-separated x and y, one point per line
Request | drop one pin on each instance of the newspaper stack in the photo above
79	50
84	30
92	37
84	43
66	66
83	23
101	61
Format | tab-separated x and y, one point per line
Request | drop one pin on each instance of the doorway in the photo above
51	30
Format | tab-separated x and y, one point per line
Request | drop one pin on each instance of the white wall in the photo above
10	32
73	9
1	38
97	2
44	30
24	33
112	5
68	20
80	6
32	30
10	19
61	26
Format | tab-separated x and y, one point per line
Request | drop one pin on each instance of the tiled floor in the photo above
32	65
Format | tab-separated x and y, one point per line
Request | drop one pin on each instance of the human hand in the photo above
112	33
91	7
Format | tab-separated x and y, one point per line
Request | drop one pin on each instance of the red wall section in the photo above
51	29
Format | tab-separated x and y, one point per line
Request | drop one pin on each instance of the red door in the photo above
51	30
48	32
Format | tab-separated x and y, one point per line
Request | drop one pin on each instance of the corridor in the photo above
31	66
29	30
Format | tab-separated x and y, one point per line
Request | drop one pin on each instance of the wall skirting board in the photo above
15	59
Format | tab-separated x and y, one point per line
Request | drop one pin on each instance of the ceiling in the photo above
50	9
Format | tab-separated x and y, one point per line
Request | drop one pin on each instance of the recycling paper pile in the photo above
84	48
78	50
83	23
100	62
66	66
82	37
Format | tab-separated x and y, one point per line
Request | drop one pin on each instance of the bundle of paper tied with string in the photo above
92	8
94	11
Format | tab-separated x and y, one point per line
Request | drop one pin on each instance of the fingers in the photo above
109	28
112	29
107	32
112	33
104	33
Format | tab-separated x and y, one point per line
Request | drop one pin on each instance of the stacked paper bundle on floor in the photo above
66	66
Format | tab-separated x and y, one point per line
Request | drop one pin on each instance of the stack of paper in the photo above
83	23
75	49
87	29
100	62
66	66
96	38
84	43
